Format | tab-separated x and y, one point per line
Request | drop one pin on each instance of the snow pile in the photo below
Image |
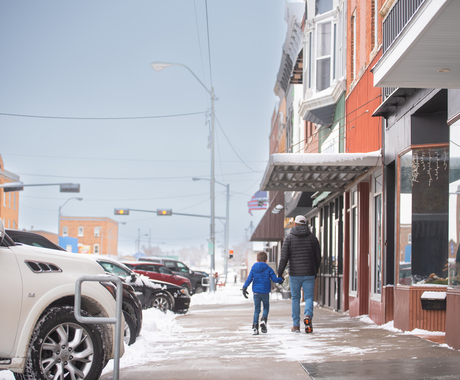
157	327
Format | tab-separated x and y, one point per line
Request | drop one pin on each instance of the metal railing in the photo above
103	320
398	17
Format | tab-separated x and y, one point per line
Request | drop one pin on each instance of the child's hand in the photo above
245	293
282	280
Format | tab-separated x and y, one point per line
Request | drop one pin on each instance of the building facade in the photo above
9	202
421	107
97	236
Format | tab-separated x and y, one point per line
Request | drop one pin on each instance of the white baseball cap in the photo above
300	219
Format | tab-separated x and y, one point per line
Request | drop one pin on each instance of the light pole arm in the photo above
158	66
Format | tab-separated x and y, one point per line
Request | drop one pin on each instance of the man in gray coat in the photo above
301	249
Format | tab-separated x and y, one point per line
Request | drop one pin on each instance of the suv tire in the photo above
57	337
199	289
130	329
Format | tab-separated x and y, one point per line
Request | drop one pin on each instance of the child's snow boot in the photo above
255	329
308	324
263	324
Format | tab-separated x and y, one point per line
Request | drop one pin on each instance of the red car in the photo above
158	272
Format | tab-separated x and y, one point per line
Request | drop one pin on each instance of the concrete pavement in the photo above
216	343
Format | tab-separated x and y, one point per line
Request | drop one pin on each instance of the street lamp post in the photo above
227	224
139	239
158	66
60	207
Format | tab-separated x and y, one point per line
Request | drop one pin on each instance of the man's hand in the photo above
245	293
282	280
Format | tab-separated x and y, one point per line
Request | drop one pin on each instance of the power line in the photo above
209	45
126	179
231	146
100	118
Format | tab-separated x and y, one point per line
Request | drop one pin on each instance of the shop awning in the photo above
271	226
311	172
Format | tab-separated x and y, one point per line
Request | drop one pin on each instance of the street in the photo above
214	341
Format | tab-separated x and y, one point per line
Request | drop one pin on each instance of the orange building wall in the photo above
9	201
363	132
107	240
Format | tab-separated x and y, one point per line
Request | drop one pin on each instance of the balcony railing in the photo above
396	20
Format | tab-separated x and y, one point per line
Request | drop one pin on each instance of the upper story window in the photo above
323	6
80	231
97	231
65	231
323	56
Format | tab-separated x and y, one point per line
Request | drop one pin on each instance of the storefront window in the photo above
423	216
454	206
377	254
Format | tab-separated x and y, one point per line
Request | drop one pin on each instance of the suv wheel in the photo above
161	301
199	289
130	329
63	348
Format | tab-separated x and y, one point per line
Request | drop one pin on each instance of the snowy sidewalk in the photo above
214	341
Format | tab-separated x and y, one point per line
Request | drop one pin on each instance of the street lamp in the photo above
158	66
60	207
227	224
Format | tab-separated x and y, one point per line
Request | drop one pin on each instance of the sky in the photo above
89	109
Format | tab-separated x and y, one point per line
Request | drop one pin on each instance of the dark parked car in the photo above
131	306
159	294
199	280
157	271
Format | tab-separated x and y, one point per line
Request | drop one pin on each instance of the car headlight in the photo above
184	291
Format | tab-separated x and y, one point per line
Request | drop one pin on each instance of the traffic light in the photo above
163	211
122	211
230	254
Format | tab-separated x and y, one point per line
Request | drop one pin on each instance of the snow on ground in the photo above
159	328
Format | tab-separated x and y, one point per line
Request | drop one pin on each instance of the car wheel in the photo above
130	329
199	290
63	348
161	301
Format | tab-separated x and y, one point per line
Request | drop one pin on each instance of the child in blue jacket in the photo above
260	276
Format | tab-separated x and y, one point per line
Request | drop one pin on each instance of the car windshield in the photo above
115	269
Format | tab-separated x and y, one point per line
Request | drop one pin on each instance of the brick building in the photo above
9	202
96	235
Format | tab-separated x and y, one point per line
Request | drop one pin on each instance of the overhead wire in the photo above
328	126
234	150
209	44
101	118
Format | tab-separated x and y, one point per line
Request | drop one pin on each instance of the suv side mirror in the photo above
2	231
133	277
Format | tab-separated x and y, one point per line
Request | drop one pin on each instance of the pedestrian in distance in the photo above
302	251
260	276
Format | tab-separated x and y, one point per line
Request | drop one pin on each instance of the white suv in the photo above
40	339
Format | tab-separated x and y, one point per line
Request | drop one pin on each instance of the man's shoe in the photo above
295	329
308	324
255	329
263	325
